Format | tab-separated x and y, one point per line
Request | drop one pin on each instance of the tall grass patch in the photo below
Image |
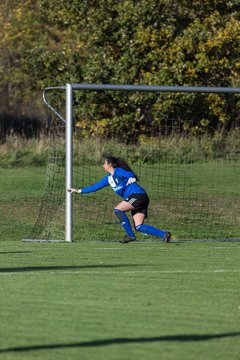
17	151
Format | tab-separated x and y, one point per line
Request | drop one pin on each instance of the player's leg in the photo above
119	211
139	218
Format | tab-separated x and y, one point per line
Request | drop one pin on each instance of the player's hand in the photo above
73	190
131	180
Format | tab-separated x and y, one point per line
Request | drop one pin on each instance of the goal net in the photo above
187	161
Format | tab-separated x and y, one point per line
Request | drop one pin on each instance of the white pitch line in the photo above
120	272
166	248
152	272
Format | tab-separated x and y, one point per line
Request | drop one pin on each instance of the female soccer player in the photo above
124	182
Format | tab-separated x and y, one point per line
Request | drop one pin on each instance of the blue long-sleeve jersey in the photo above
118	182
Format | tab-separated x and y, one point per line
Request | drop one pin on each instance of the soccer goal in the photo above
187	160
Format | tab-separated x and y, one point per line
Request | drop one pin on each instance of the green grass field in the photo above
106	300
20	194
120	301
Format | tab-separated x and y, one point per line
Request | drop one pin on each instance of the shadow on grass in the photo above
73	267
122	341
15	252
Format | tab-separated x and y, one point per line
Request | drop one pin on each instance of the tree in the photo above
19	30
159	42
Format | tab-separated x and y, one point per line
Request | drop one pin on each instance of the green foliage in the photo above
136	42
21	29
172	148
18	152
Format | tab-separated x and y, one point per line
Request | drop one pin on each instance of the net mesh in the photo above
192	178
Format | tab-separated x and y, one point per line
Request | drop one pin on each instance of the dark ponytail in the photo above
118	162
